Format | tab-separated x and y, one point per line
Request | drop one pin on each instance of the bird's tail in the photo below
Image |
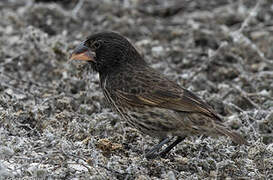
235	137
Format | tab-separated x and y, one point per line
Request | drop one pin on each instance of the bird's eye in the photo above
96	44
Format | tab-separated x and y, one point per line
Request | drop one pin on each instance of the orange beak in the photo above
83	53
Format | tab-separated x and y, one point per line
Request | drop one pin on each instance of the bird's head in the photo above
106	52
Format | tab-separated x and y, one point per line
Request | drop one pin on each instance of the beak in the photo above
83	53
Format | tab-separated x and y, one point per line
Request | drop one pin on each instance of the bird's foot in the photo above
152	154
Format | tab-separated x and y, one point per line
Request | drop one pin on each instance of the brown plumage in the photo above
146	99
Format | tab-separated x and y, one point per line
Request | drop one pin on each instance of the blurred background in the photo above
54	123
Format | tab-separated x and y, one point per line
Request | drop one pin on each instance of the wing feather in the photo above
162	93
185	101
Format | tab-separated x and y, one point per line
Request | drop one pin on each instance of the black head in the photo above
106	52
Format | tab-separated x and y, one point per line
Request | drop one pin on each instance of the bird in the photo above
145	98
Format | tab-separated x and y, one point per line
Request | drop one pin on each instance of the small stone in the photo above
5	152
157	50
142	177
171	175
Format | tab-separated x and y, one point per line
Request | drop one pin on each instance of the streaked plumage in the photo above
146	99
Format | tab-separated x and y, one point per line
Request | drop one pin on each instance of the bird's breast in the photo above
153	121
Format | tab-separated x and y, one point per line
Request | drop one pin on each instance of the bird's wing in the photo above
171	97
185	101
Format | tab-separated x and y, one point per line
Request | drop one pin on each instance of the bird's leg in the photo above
152	153
165	151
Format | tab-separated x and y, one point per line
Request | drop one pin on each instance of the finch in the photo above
145	98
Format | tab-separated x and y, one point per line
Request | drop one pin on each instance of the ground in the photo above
55	124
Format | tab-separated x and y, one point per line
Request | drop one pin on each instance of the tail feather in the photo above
235	137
